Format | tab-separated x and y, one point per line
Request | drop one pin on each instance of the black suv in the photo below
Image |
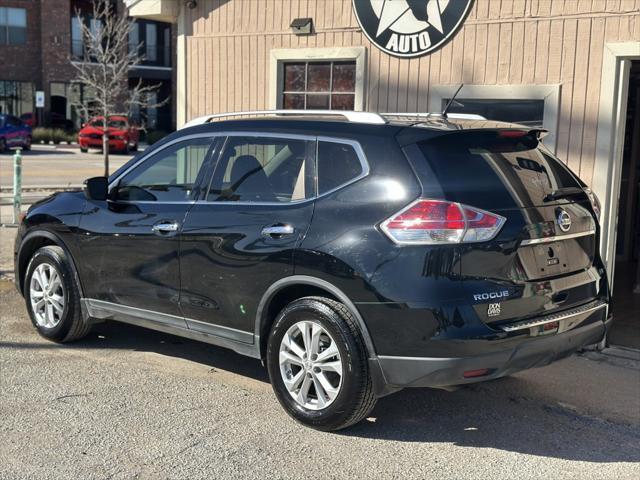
354	256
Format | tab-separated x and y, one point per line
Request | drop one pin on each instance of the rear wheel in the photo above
84	149
318	365
53	297
27	144
3	145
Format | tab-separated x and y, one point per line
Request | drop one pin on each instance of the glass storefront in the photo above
16	98
70	105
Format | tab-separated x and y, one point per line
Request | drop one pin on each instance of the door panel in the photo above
227	264
242	239
131	241
126	261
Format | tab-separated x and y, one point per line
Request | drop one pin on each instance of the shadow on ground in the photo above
42	152
494	415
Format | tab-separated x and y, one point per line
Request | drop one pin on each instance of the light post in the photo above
17	185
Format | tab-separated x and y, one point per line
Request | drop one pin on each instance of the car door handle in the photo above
162	228
277	230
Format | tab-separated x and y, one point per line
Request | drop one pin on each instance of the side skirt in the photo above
236	340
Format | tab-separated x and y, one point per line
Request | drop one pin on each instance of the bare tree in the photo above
104	68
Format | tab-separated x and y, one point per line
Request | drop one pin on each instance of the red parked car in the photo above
123	137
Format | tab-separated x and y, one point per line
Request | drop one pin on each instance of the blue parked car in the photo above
14	133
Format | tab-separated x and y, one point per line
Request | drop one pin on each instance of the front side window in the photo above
319	85
167	176
13	26
264	169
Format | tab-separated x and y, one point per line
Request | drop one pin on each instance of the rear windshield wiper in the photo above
565	192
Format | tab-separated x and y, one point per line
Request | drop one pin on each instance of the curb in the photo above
626	353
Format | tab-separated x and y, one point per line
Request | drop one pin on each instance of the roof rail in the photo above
352	116
460	116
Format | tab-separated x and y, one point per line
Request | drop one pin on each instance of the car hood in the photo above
98	130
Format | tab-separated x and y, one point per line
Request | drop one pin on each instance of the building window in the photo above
319	85
77	39
13	26
532	105
16	98
153	39
71	105
156	116
526	112
349	64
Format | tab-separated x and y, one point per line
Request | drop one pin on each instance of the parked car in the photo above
354	258
14	133
123	137
55	120
29	119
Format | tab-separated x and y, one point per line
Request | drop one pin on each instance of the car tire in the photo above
53	297
335	401
27	145
84	150
3	145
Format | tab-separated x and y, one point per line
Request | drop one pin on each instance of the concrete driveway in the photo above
131	403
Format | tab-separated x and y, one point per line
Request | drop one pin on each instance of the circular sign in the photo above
410	28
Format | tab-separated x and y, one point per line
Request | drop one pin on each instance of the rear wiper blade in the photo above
565	192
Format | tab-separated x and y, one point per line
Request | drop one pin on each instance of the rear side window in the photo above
264	170
338	163
486	170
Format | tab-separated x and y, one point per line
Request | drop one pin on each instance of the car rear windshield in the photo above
493	170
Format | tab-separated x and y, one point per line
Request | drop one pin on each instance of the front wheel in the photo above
318	365
27	144
53	297
3	145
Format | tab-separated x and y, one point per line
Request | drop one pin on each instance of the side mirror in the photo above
96	188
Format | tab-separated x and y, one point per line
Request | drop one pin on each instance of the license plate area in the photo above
551	258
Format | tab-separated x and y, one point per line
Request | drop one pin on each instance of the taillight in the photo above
436	222
595	202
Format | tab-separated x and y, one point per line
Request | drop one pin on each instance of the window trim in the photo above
146	156
280	56
295	136
216	156
550	94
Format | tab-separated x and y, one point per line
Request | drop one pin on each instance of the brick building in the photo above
38	41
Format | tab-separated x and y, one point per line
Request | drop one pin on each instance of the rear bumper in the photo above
400	372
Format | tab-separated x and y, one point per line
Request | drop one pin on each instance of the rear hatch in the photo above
542	260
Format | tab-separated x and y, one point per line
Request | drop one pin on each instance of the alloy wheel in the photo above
310	365
47	295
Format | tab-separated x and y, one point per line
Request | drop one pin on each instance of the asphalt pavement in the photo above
131	403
